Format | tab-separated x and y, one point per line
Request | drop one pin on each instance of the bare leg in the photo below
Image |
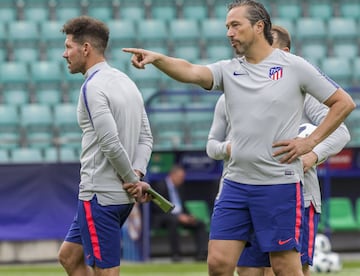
71	257
306	270
268	271
250	271
114	271
223	256
286	263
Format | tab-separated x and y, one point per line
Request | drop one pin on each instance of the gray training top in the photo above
116	136
265	103
314	113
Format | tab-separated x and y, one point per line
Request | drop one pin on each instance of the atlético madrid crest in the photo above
276	73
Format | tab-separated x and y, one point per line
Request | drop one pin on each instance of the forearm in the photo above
216	149
338	112
184	71
333	144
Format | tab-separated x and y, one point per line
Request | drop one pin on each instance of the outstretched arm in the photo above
178	69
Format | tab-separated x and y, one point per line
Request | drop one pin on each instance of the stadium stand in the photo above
32	69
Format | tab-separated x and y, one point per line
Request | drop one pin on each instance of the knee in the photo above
69	257
219	265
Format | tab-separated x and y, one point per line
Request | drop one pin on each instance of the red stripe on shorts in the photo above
298	212
92	230
311	231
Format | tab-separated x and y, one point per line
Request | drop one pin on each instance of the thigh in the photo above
73	235
231	218
311	221
252	256
100	228
277	214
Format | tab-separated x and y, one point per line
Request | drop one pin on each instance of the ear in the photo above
86	49
259	26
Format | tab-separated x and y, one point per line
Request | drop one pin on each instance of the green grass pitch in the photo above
149	269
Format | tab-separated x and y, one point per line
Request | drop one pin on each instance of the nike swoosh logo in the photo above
239	74
284	242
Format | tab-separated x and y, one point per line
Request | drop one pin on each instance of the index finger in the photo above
281	143
132	50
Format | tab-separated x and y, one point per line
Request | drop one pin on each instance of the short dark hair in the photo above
257	12
85	28
284	38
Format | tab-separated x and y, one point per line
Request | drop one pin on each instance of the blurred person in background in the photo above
179	217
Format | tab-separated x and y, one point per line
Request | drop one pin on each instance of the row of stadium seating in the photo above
55	75
158	32
138	10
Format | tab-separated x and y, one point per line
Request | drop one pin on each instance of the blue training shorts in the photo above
311	221
274	213
98	229
253	257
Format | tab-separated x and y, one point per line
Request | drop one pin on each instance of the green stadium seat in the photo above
123	33
286	23
153	32
26	54
23	33
164	12
346	50
102	13
49	97
36	117
133	13
167	116
219	52
4	156
171	139
289	10
342	29
149	77
8	14
55	54
36	14
67	130
26	156
16	96
314	52
341	214
188	52
213	31
68	155
339	69
357	211
199	12
321	10
63	14
184	31
14	73
200	210
46	74
51	155
350	10
310	29
9	127
220	11
51	35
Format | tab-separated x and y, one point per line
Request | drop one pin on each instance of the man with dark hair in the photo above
116	147
264	98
